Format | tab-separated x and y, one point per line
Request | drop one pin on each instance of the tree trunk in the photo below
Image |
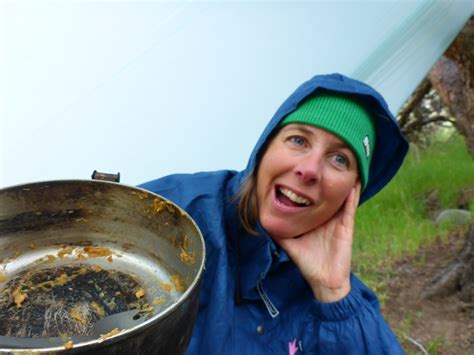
452	77
458	276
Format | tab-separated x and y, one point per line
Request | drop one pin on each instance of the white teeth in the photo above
294	197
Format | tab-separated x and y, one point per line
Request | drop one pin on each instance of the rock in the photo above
454	216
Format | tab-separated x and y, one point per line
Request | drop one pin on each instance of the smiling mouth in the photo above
290	198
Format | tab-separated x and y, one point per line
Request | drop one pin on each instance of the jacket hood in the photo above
390	145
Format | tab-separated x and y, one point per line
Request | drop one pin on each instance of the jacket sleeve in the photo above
353	325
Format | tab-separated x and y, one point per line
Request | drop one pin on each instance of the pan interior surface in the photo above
66	294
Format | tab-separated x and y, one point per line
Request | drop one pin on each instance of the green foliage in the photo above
434	346
396	221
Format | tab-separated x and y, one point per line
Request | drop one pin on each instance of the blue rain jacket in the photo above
253	298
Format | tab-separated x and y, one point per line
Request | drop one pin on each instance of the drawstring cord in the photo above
272	310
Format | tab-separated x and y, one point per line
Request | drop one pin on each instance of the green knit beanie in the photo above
344	117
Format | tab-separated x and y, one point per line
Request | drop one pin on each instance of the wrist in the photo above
327	295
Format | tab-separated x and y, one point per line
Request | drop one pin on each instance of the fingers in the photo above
351	206
358	187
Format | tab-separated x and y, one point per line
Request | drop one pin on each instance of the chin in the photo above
278	229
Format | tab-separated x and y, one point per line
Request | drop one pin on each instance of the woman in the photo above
279	234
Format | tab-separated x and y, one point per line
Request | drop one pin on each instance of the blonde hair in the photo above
248	209
247	194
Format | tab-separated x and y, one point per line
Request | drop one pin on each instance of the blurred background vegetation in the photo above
397	226
438	121
399	220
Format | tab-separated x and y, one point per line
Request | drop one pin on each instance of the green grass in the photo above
433	347
395	222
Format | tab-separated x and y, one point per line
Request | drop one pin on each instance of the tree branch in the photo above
418	124
438	119
420	92
414	342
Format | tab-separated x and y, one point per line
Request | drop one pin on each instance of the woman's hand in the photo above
323	255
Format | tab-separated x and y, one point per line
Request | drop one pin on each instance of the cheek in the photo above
270	167
261	188
339	189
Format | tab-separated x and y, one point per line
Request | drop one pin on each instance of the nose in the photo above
309	168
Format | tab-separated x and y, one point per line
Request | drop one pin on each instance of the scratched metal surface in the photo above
53	224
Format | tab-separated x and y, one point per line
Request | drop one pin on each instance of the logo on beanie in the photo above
366	144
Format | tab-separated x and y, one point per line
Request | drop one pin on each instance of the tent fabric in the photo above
89	86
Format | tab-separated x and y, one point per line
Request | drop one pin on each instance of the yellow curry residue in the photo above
166	287
19	296
50	258
96	268
98	309
76	313
65	251
97	251
160	205
159	300
140	293
113	332
186	257
178	282
61	279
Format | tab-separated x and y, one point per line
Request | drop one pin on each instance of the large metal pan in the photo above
75	252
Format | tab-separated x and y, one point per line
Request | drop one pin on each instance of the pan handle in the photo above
105	177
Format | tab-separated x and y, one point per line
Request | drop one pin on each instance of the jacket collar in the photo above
258	256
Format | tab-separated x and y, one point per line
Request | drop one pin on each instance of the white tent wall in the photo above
405	56
152	88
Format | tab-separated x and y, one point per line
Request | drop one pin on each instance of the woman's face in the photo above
303	179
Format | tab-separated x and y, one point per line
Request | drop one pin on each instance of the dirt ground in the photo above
443	326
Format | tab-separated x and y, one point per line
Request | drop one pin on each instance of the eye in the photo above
298	140
341	160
